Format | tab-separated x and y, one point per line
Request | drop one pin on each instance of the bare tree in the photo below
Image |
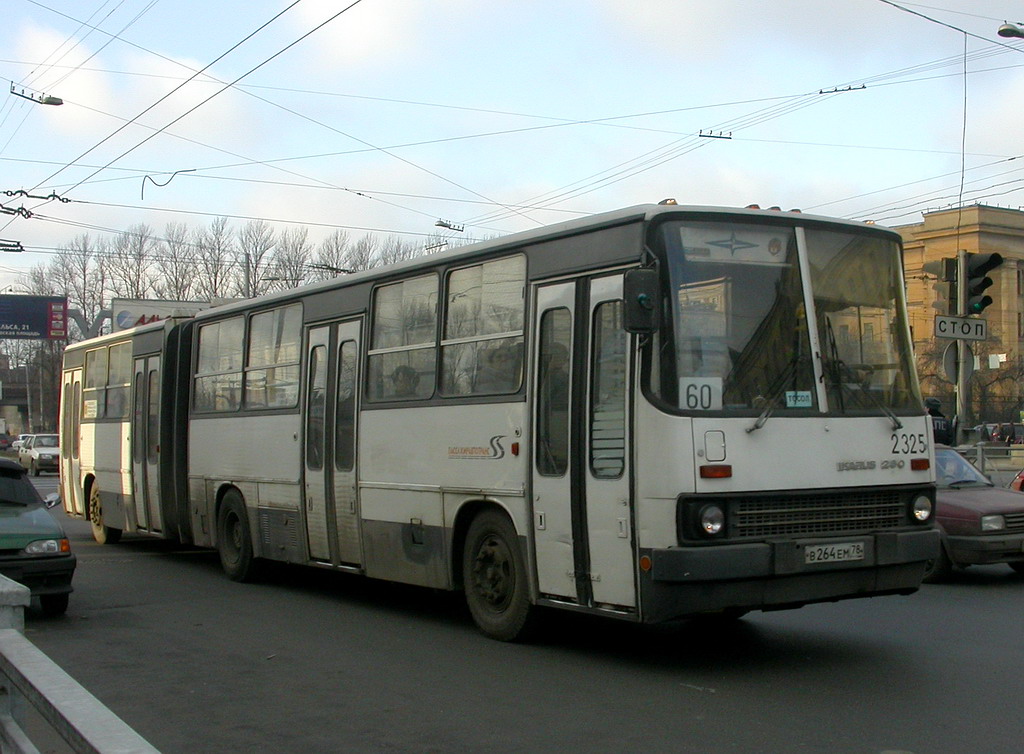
78	271
330	257
176	264
362	255
215	251
394	249
291	258
129	261
253	254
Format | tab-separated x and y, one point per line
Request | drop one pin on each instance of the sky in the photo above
386	116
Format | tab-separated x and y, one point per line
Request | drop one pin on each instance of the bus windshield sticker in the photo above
799	399
700	393
734	245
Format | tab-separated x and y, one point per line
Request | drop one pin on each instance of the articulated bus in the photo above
653	413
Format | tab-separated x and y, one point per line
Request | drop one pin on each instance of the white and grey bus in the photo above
653	413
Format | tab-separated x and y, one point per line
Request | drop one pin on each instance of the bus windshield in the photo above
741	335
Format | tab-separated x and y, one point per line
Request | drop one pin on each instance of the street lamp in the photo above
450	225
38	97
1011	30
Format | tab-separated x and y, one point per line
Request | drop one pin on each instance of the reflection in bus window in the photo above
315	406
608	393
94	382
153	417
218	382
272	373
553	393
345	408
118	381
483	330
404	343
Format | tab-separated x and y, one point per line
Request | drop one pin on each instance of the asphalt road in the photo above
309	661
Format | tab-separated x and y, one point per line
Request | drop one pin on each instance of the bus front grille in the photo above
828	513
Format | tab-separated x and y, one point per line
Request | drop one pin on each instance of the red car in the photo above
1018	482
980	523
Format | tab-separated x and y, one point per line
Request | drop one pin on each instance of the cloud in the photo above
87	94
371	33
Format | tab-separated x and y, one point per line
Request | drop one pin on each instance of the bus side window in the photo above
552	446
345	408
608	393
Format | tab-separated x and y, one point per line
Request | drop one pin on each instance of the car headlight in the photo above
47	547
992	523
921	508
711	519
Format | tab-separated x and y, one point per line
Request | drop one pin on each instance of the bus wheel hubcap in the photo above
492	572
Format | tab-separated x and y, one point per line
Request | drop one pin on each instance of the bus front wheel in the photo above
234	545
495	578
103	534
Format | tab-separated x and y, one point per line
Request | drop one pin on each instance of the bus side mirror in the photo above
642	301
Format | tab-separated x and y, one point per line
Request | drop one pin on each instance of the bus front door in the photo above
582	509
329	442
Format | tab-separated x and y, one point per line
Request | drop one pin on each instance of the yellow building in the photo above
996	392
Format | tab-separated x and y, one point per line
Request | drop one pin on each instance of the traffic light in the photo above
978	267
945	298
945	290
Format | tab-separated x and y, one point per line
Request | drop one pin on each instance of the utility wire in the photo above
179	87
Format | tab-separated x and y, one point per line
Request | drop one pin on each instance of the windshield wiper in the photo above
776	393
959	482
837	369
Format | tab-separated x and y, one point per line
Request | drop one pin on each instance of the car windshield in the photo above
15	489
45	441
953	470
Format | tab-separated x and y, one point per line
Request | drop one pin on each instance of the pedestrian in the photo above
942	429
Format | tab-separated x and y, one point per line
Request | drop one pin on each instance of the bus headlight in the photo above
711	520
921	508
992	523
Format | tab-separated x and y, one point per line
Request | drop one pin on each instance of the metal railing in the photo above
28	678
997	461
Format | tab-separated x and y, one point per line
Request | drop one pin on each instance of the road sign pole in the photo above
962	353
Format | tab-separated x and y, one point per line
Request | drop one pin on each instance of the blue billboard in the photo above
34	317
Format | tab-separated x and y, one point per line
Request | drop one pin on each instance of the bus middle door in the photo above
329	442
145	444
71	444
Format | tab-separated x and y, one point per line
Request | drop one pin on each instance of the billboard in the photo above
34	317
130	312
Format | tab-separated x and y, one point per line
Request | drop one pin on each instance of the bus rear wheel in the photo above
495	578
103	534
234	545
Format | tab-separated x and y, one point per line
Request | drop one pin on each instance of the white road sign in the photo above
963	328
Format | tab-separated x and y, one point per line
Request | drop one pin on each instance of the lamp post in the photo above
28	400
1011	30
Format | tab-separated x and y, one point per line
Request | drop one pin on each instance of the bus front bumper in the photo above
772	575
